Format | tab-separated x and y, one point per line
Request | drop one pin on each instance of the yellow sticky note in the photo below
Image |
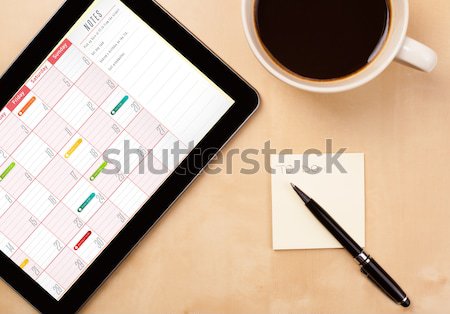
340	193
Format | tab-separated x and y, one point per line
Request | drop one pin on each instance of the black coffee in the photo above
323	39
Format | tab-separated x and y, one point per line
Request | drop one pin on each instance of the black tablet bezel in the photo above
246	102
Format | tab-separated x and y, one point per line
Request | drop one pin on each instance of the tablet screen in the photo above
90	136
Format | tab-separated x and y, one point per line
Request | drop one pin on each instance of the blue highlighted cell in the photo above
119	105
86	202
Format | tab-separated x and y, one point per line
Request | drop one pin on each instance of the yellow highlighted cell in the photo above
24	263
73	148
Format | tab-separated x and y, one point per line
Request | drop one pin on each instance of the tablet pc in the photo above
108	115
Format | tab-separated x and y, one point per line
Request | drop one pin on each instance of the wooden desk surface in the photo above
212	253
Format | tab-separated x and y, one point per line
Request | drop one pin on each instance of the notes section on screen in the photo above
151	70
87	140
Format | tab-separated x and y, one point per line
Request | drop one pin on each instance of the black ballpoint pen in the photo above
369	266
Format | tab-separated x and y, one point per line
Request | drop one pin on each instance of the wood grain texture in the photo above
212	252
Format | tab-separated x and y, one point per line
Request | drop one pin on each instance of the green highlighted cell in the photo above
86	202
7	171
119	105
98	171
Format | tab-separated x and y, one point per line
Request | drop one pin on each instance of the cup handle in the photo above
417	55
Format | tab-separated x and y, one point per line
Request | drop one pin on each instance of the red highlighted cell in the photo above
18	98
83	239
60	51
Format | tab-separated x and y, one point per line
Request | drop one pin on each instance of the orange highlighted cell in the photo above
83	239
27	106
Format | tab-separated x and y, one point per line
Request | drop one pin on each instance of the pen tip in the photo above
300	193
406	303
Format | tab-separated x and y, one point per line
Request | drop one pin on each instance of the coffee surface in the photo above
322	39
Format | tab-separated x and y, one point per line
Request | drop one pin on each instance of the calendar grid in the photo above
39	224
87	222
31	131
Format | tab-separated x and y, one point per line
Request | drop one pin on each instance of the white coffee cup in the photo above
397	47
